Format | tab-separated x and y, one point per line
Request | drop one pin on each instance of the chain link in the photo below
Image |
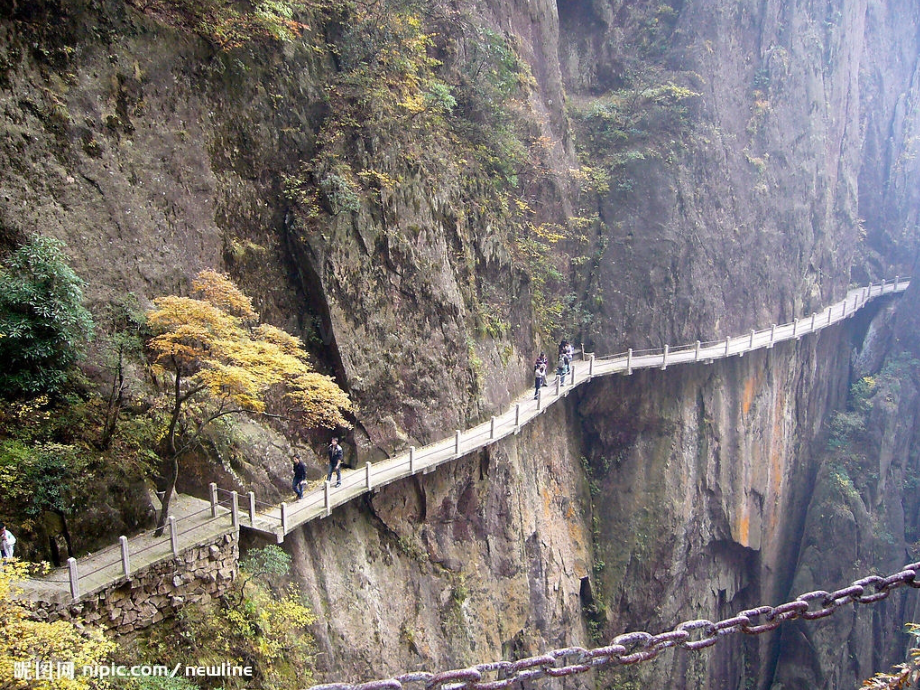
637	647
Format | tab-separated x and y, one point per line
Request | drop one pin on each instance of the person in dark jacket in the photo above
335	461
300	476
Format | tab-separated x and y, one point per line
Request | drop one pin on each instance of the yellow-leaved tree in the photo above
39	655
219	360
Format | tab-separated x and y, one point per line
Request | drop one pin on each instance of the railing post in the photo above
174	536
591	366
517	415
751	344
795	329
845	300
252	507
284	517
558	384
539	398
572	375
492	424
368	477
813	317
457	443
125	561
772	335
235	509
212	488
728	342
896	279
664	357
696	352
582	352
829	317
74	578
327	502
629	362
411	459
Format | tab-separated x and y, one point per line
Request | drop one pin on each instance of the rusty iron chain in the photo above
636	647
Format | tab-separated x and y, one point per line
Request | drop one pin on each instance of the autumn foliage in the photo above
214	344
219	360
25	641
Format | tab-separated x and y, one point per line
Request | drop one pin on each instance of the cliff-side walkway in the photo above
280	520
193	522
229	511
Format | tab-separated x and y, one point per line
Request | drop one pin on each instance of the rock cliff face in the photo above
863	513
794	149
483	559
749	161
701	473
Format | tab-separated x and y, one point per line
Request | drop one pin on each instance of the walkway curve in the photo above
278	521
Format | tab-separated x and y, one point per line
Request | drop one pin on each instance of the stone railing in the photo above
85	577
155	591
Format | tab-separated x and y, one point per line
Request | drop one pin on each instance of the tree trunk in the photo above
114	404
169	488
65	532
172	463
55	554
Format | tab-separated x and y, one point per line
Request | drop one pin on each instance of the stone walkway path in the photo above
102	569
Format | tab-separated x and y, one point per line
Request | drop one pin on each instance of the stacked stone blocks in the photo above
197	576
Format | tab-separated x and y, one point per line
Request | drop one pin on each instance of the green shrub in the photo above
256	624
40	477
43	324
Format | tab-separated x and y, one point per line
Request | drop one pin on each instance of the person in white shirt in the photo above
7	542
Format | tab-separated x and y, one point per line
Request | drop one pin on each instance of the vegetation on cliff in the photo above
23	640
262	622
216	359
43	323
428	97
904	675
210	358
230	25
856	457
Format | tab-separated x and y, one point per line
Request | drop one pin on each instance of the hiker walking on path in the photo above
300	476
545	362
562	369
539	377
570	351
335	461
7	542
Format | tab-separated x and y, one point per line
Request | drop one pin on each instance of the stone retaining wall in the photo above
156	592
